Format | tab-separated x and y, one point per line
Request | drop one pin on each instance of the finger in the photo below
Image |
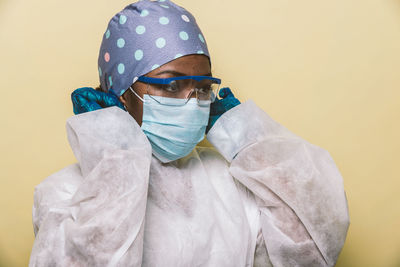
84	91
217	107
79	100
90	94
86	99
81	104
225	92
230	102
94	96
90	106
108	100
104	99
79	90
81	96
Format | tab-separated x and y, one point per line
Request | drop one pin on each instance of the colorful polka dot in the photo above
184	36
155	67
161	0
140	29
178	55
185	18
160	42
108	34
121	42
121	68
122	19
139	54
100	72
164	20
164	6
110	81
201	38
200	52
144	13
107	57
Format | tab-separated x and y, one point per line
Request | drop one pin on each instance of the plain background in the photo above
327	70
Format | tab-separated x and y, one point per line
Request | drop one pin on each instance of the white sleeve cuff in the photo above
242	126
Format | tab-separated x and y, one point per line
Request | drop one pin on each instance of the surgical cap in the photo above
144	36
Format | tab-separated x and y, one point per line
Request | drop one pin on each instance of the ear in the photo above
122	99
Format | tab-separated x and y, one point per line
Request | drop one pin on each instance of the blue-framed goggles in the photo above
204	88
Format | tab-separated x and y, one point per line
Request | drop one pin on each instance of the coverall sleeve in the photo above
92	213
298	188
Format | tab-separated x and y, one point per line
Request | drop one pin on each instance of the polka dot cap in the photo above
144	36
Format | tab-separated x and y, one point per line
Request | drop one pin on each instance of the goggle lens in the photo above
204	90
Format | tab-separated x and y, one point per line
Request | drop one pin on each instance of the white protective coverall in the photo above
261	197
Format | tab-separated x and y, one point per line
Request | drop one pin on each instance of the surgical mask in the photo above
174	129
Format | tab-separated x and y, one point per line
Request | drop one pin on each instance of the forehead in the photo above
186	65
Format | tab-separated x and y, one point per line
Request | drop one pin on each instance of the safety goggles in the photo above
203	88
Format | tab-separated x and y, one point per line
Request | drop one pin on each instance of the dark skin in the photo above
190	65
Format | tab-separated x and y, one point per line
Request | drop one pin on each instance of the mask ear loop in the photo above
133	91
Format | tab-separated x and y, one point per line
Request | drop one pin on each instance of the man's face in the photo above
191	65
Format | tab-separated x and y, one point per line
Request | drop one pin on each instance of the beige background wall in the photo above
327	70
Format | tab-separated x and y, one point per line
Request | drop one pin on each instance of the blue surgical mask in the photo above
174	129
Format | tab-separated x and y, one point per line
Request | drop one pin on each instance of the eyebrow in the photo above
177	74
